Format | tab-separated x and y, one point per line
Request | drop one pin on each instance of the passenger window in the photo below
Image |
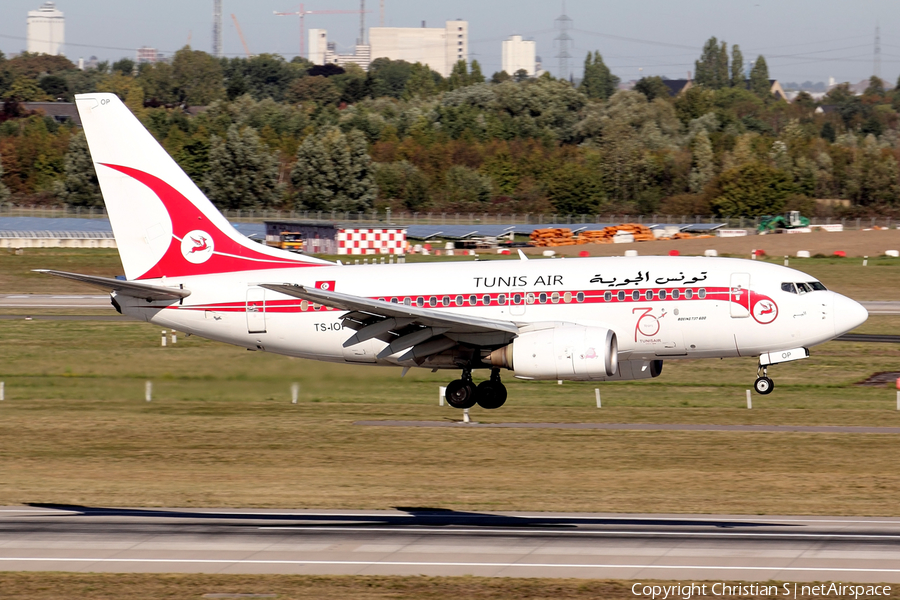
648	295
554	297
517	298
407	301
567	297
701	293
676	294
459	300
445	301
662	294
304	306
542	298
394	301
688	294
607	297
420	301
579	297
501	299
473	300
621	296
486	299
529	298
635	295
789	288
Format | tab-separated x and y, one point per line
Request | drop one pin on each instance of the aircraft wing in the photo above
424	331
135	289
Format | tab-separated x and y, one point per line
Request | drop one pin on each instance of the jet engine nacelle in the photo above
570	352
632	370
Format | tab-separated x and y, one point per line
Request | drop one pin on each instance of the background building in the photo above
322	52
519	54
321	237
439	48
46	30
147	55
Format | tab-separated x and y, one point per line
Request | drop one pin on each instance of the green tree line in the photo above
265	132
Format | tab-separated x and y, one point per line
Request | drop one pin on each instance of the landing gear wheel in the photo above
764	386
490	395
461	394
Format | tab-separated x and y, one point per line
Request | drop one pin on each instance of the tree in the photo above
4	191
402	181
475	75
737	67
500	77
520	75
316	89
875	90
576	189
751	191
125	66
54	86
242	173
704	168
197	77
388	77
422	82
652	88
334	172
598	81
759	79
467	188
459	76
712	69
80	186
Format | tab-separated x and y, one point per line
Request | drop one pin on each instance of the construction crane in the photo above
302	14
241	35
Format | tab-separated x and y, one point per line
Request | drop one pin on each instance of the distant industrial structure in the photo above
438	47
46	30
218	47
519	55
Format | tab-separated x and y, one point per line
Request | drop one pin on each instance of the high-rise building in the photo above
439	48
147	55
323	52
519	54
46	30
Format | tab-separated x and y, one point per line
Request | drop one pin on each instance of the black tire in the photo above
460	394
764	386
490	395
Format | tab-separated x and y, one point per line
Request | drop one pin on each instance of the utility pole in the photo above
564	41
877	69
362	22
381	19
217	46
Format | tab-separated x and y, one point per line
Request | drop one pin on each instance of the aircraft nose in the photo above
848	314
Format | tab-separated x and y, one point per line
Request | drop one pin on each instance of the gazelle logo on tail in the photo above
197	247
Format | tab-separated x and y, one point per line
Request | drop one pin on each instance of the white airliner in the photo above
587	319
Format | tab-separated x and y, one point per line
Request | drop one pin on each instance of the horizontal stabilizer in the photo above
124	288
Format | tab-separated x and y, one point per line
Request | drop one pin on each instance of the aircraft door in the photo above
256	310
517	303
739	295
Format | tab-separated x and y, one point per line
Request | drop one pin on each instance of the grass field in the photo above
62	586
221	431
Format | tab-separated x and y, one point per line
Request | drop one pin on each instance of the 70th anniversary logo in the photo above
679	591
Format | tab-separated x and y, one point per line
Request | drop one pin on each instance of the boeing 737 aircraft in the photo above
587	319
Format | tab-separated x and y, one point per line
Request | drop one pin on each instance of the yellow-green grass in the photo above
221	431
101	586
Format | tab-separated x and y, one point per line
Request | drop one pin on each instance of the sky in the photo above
802	40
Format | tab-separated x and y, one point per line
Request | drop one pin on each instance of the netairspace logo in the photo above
791	590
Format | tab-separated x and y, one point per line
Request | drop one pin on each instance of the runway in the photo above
426	541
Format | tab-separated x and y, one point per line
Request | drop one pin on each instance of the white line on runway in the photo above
368	563
414	530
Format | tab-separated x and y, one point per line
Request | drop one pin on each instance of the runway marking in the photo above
413	530
361	563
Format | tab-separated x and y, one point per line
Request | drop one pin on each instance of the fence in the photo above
435	218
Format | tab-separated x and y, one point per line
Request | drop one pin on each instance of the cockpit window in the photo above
803	287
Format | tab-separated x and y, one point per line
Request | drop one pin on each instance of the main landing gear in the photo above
763	385
463	393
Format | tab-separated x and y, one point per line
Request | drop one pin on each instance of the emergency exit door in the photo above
739	295
256	310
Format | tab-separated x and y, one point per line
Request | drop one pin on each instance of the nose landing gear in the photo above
763	385
463	393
